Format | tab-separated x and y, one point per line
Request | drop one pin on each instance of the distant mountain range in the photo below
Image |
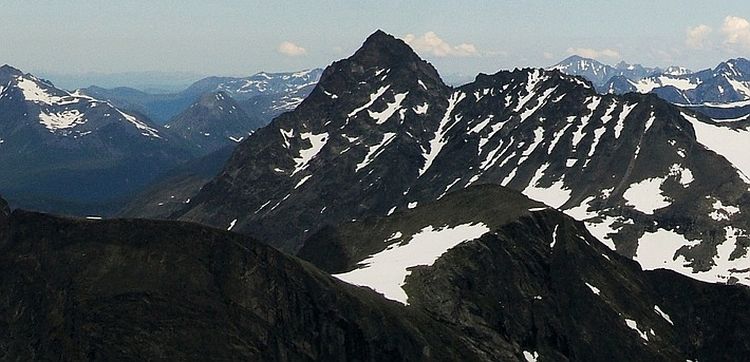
722	92
90	151
147	81
599	73
217	111
69	152
276	92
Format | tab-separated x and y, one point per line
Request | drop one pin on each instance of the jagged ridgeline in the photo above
381	133
722	93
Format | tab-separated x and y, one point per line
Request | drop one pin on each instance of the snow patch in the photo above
634	326
447	188
382	117
438	141
662	314
728	142
684	174
302	181
375	150
645	196
61	120
554	195
373	98
317	142
386	271
722	212
554	237
626	109
422	109
146	130
594	289
593	104
531	356
34	93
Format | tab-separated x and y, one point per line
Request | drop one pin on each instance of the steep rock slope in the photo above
499	265
381	133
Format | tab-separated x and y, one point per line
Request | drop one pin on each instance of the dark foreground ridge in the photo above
537	285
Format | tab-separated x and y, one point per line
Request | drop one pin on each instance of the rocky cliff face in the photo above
382	133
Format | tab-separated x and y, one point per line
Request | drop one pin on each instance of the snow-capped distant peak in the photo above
677	70
269	83
579	63
37	91
60	111
302	73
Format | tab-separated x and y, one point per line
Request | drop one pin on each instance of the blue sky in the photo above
243	37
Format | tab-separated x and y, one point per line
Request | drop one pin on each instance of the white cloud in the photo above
736	31
697	37
430	43
290	49
595	53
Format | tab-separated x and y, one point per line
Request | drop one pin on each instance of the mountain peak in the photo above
382	56
379	34
6	72
577	58
576	63
10	69
574	57
734	68
384	49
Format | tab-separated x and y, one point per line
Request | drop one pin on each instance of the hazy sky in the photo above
243	37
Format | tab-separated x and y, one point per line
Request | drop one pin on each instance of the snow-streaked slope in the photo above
59	111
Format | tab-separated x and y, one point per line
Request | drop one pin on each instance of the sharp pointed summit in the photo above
381	55
381	48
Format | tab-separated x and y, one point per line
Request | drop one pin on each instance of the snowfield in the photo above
386	271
